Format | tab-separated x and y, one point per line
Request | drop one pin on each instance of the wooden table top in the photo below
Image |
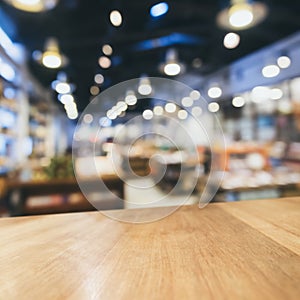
244	250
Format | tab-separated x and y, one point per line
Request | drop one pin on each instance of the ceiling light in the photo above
111	114
147	114
238	101
158	110
159	9
213	107
195	95
115	18
33	5
70	106
187	101
104	62
283	61
170	107
270	71
242	14
72	115
145	88
260	94
130	98
214	92
94	90
276	94
172	67
51	60
63	88
104	122
66	98
197	111
107	49
99	78
182	114
231	40
88	119
122	106
51	57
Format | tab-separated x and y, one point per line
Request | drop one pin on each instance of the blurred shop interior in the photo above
240	60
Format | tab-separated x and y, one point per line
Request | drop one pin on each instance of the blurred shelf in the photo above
64	187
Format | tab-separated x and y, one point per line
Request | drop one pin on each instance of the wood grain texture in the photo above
245	250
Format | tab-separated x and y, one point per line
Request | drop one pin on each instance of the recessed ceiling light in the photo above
182	114
260	94
170	107
111	114
172	69
72	115
145	88
104	122
88	119
130	98
283	62
63	88
214	92
158	110
107	49
99	78
66	98
70	107
195	95
231	40
270	71
94	90
115	18
104	62
187	101
121	106
213	107
147	114
159	9
238	101
197	111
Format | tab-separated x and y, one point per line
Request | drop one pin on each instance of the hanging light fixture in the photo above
34	6
242	14
51	58
171	67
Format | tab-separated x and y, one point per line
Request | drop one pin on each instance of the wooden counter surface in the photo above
244	250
